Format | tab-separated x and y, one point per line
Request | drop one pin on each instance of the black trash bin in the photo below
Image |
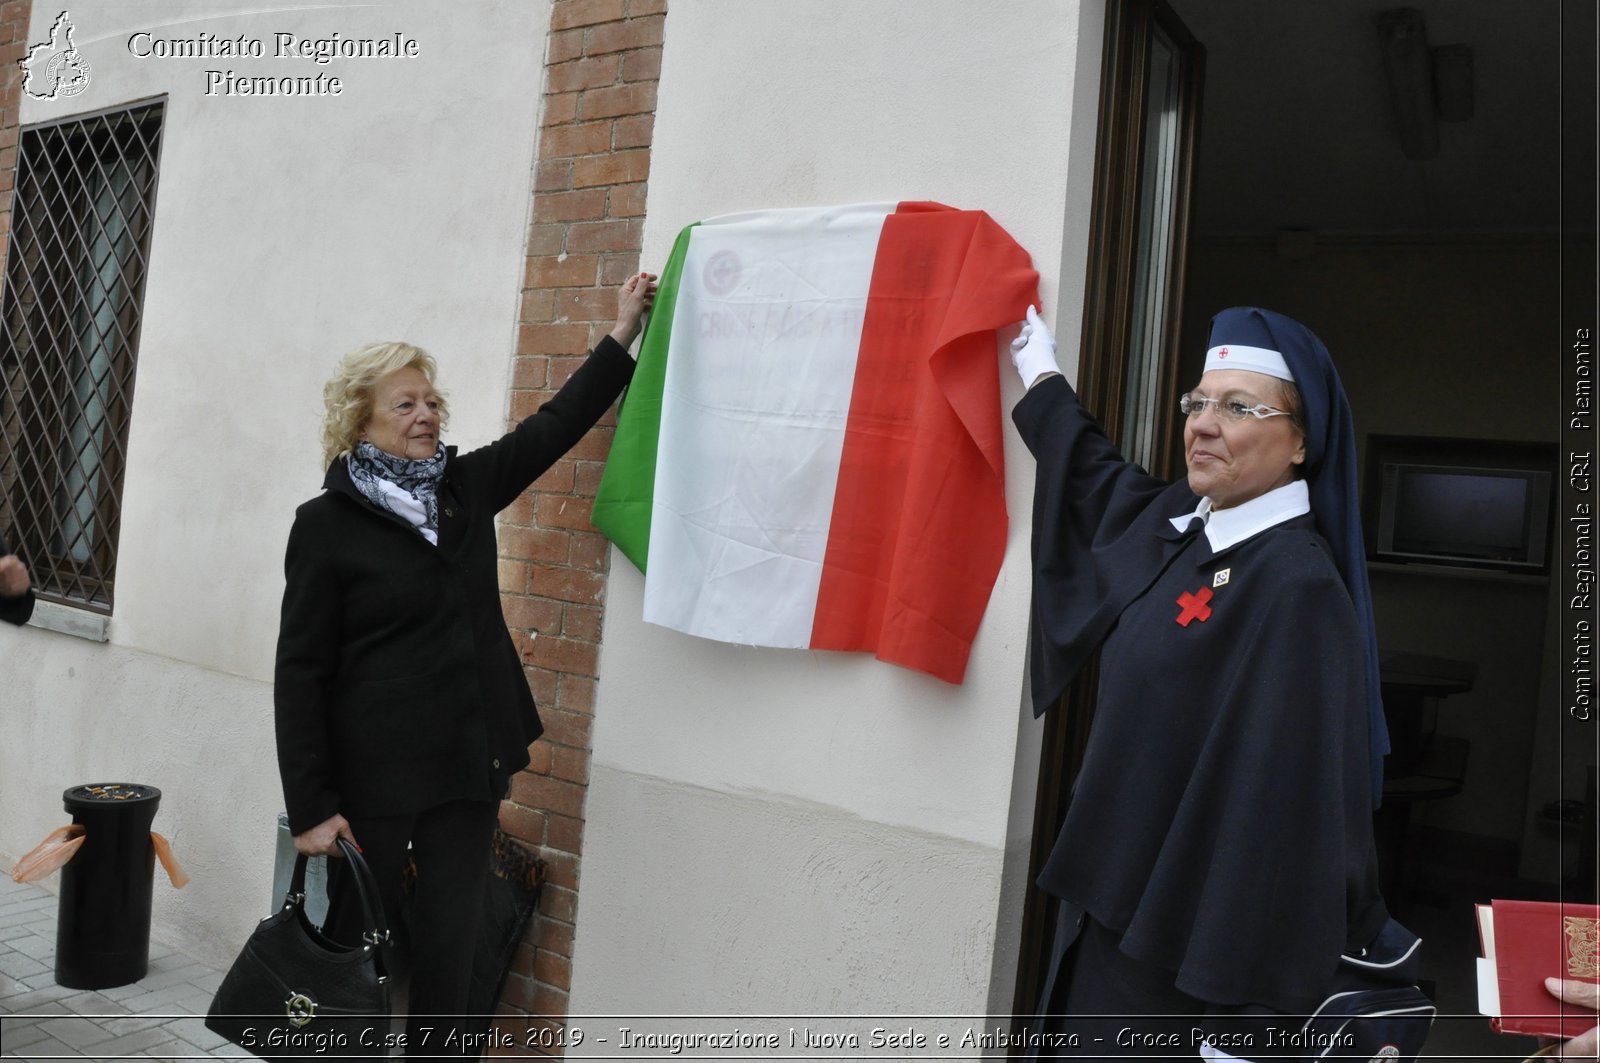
103	932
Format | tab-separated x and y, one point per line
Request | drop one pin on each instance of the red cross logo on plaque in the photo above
1194	606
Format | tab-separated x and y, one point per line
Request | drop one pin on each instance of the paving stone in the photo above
74	1030
44	980
26	911
208	981
173	962
49	1048
17	1036
177	975
198	1002
194	1031
16	892
11	987
159	1001
46	1009
175	1049
90	1002
132	1043
26	999
122	992
19	966
127	1024
41	949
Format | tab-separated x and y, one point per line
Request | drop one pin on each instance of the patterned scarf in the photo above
405	487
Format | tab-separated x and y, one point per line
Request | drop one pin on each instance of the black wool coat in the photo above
397	686
15	610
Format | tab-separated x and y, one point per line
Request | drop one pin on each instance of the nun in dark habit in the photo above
1217	857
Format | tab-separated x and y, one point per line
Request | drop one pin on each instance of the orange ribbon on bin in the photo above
168	861
61	844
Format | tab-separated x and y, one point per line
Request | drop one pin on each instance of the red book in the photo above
1525	942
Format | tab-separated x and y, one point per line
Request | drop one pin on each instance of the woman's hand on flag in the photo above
633	302
1033	352
13	577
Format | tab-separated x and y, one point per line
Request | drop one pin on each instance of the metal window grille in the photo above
69	337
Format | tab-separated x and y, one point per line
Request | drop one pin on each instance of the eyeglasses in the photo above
1228	409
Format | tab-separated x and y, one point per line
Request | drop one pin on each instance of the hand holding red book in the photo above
1584	994
1540	966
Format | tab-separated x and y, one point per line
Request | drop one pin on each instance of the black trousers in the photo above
450	844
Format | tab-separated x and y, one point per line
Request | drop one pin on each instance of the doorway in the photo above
1437	284
1425	252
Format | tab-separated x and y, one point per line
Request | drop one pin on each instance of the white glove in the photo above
1033	352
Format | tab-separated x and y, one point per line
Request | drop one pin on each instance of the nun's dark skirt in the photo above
1099	1003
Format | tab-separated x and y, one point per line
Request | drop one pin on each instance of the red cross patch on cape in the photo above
1194	606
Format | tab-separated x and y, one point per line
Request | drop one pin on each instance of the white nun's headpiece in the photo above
1254	359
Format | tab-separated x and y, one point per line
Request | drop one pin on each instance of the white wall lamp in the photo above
1426	85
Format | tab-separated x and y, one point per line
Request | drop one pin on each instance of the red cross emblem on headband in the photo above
1194	606
1222	352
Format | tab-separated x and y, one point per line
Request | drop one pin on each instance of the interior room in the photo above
1391	178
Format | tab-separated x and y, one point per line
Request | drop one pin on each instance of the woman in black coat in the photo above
401	706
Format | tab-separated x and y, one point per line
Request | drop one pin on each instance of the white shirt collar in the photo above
1224	527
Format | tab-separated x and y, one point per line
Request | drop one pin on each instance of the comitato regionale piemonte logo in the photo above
55	69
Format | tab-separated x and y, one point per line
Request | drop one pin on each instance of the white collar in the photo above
1224	527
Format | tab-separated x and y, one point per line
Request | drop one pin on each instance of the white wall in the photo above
287	231
806	832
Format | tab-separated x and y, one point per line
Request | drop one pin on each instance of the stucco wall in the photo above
287	231
797	832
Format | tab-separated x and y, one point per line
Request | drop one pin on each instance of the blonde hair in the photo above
347	397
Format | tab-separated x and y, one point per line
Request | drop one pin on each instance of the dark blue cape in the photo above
1221	822
1330	473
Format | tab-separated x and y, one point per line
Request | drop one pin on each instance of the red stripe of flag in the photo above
919	521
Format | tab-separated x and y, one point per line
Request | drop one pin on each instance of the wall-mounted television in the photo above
1468	503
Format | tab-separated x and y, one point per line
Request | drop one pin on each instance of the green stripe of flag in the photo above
627	489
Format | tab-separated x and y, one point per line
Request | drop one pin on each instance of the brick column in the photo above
13	46
603	60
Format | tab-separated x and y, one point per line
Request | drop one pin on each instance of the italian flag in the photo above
809	454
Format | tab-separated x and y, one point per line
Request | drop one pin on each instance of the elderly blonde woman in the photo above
401	706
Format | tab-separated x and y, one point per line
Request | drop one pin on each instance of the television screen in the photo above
1454	514
1468	515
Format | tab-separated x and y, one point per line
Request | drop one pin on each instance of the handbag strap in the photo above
377	925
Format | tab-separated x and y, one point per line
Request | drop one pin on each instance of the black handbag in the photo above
295	994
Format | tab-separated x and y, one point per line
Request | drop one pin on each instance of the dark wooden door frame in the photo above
1102	376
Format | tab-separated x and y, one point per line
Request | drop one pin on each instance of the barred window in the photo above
69	339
